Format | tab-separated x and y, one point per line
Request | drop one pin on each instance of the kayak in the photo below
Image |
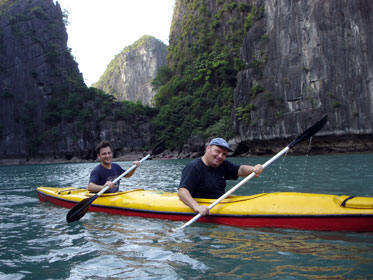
306	211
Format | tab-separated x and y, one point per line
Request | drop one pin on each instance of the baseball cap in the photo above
221	143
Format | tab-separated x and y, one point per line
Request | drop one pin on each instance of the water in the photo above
37	243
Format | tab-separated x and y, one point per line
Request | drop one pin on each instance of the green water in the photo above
37	243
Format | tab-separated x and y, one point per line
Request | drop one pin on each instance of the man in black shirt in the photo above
104	173
206	177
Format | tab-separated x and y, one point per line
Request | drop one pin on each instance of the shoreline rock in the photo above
165	156
242	148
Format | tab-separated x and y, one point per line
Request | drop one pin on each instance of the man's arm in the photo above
188	200
246	170
137	163
92	187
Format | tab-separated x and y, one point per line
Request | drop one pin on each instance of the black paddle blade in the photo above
159	148
80	209
309	132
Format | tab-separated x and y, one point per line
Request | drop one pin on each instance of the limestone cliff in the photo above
130	73
305	59
302	60
34	61
46	110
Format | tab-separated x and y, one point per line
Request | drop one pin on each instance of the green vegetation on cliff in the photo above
195	89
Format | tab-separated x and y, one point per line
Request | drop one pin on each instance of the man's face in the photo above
105	155
215	155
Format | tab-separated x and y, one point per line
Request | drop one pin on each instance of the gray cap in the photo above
221	143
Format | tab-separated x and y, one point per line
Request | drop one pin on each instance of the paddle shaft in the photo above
123	174
236	187
134	166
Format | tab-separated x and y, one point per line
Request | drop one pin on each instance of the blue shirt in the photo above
100	175
207	182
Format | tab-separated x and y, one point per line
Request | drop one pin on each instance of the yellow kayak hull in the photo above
282	209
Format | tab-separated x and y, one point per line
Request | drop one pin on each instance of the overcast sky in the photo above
98	30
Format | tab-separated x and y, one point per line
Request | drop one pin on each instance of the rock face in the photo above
306	59
34	61
46	110
130	73
303	59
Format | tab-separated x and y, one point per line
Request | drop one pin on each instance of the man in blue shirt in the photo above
206	177
104	173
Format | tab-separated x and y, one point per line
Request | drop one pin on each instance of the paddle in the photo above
304	136
81	208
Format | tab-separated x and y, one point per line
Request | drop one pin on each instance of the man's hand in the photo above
246	170
257	169
188	200
109	183
201	209
137	163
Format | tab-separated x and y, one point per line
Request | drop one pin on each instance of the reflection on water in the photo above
140	245
37	243
283	253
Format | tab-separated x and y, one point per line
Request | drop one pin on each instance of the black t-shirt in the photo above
207	182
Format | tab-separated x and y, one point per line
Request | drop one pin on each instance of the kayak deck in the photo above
282	209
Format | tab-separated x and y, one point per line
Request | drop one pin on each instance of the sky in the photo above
98	30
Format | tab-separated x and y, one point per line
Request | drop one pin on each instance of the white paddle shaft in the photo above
123	174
